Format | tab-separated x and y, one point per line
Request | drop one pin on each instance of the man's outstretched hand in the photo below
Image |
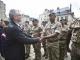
41	39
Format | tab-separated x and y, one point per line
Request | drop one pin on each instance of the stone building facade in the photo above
61	13
65	13
2	10
44	16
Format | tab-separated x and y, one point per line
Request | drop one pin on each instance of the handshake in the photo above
41	39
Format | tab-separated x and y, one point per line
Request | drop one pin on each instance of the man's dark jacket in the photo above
1	31
15	41
2	41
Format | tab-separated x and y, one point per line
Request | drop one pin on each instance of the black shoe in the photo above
27	56
69	50
46	57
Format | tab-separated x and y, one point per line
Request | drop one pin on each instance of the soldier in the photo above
36	32
27	30
63	39
75	52
44	42
27	27
53	30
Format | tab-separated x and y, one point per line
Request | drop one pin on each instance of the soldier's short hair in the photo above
26	21
1	19
35	20
52	14
44	21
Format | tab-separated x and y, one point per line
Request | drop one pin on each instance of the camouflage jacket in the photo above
64	33
51	29
76	32
36	31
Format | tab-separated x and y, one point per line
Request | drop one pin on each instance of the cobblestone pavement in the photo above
32	55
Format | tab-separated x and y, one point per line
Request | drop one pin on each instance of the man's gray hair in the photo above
13	12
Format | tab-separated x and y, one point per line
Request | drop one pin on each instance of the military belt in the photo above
52	40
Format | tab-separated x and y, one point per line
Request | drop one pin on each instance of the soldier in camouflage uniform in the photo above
63	39
27	30
44	41
75	52
53	30
36	32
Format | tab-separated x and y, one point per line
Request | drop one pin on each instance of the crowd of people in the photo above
55	36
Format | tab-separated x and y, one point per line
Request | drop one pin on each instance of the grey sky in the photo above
36	7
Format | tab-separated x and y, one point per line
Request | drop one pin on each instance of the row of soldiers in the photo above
56	38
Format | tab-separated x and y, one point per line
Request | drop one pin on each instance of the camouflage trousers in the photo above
27	50
62	49
75	52
37	50
44	43
53	50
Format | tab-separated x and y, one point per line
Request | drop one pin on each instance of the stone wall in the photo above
2	10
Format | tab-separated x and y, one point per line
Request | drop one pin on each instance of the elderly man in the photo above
16	38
